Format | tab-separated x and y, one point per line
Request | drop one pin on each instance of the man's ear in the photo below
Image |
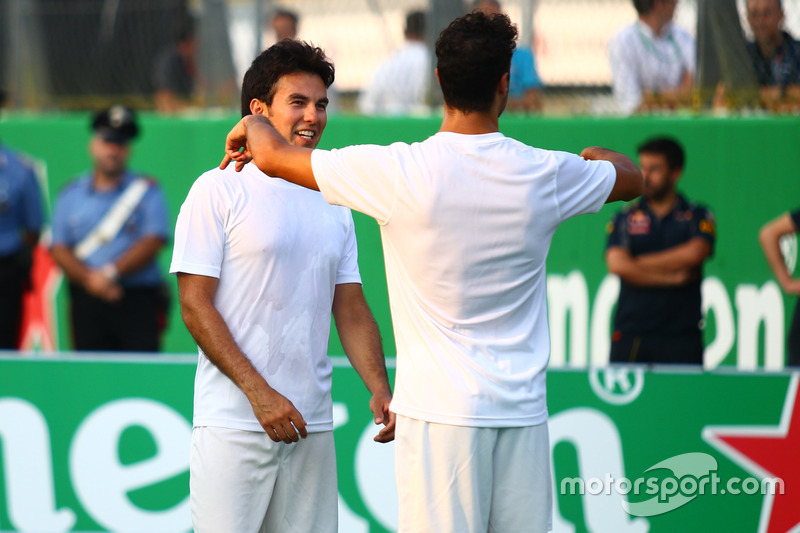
676	176
257	107
505	81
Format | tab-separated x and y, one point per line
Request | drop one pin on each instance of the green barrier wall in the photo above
102	444
743	168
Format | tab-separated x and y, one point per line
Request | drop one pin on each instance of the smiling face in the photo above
298	109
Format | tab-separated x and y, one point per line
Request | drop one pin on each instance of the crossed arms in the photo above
675	266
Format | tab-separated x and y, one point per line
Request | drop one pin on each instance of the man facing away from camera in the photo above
466	218
261	264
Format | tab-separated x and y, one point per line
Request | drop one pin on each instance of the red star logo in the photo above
769	452
39	325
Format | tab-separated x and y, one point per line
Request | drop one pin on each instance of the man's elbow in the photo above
629	185
767	237
190	310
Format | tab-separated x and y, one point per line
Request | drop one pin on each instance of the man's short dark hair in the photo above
668	147
280	59
415	25
643	7
473	53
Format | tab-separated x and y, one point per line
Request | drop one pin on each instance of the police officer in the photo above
20	224
108	227
657	246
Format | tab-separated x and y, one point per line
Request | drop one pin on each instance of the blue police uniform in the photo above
20	212
793	340
659	324
134	323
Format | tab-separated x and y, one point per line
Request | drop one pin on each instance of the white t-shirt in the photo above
400	84
466	222
643	61
278	251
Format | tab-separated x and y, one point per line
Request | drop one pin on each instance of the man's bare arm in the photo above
254	139
769	237
276	414
629	183
621	263
688	255
362	344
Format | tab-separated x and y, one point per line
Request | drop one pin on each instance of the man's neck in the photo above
663	206
770	46
105	182
654	22
472	123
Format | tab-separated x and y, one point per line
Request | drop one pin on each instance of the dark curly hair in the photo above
282	58
473	53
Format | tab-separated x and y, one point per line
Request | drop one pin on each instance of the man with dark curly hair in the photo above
261	264
466	218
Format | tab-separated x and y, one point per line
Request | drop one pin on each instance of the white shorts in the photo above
458	479
242	482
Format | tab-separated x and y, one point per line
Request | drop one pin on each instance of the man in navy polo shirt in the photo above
108	227
657	246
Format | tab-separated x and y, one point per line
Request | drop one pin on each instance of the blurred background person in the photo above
775	55
770	239
108	227
652	60
400	84
284	24
20	225
525	87
657	246
175	70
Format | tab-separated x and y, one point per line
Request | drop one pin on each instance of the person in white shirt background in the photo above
400	84
652	60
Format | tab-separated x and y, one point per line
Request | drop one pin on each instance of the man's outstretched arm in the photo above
629	183
254	139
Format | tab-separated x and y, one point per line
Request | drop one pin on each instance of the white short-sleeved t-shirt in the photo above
278	251
466	222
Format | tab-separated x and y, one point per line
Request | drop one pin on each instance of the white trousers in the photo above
242	482
456	479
